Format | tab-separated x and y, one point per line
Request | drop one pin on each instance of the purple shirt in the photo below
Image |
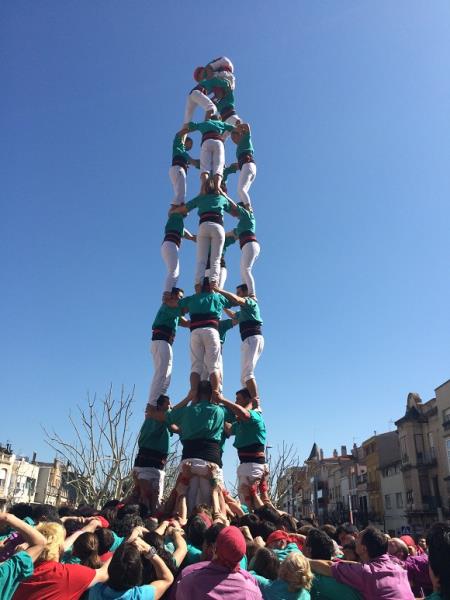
379	579
419	576
210	581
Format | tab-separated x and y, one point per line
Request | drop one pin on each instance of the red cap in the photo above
199	73
230	547
277	536
102	520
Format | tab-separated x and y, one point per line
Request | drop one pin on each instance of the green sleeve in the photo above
226	324
117	541
191	204
183	303
13	571
233	428
193	126
227	207
228	127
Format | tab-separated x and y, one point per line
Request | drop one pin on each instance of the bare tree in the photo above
285	458
172	467
99	458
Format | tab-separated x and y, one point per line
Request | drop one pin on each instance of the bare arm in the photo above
195	162
189	236
241	413
101	575
30	535
165	577
237	300
322	567
184	322
90	527
180	545
182	210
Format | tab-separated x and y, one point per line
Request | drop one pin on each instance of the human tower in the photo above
205	418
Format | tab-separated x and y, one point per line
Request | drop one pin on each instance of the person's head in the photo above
242	290
288	523
277	540
45	512
195	531
230	548
343	530
251	521
125	568
204	391
330	530
209	540
86	510
398	548
123	527
265	528
296	572
318	545
265	563
199	74
438	540
85	548
243	398
422	543
163	403
21	510
236	136
349	551
67	511
371	543
174	297
105	539
410	543
188	143
55	535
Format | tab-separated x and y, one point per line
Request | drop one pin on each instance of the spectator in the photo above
438	541
18	567
221	578
52	579
378	578
294	580
349	551
279	542
85	548
265	563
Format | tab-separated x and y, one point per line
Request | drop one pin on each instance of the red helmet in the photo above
199	73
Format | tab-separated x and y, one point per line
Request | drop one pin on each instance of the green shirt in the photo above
154	435
227	101
229	241
193	555
167	317
252	431
178	148
200	421
249	312
435	596
175	222
228	170
283	552
247	221
327	588
278	589
12	572
245	145
205	303
211	126
214	82
215	203
224	326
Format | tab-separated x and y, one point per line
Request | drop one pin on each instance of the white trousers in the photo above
178	178
197	98
251	349
249	474
223	62
169	253
205	350
209	235
222	276
246	178
205	375
249	254
212	157
155	477
199	491
162	369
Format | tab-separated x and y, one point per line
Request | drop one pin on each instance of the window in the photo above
387	501
399	500
447	445
409	496
446	415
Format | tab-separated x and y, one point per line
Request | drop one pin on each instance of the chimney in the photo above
335	453
343	450
355	450
33	460
321	454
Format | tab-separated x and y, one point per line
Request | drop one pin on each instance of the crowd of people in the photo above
199	541
124	552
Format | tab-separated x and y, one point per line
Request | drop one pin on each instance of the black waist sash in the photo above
180	161
208	450
173	236
211	216
245	157
245	237
162	332
252	454
204	320
147	457
227	112
212	135
248	328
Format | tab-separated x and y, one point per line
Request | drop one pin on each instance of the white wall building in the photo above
394	498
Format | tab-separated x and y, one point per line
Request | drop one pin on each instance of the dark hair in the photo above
105	539
244	392
67	511
321	544
45	512
205	284
251	521
289	523
21	510
177	290
330	530
438	541
125	568
85	548
162	399
111	504
204	388
375	541
265	528
133	509
212	532
345	528
243	287
209	186
305	529
85	510
195	531
266	563
267	513
157	541
71	525
124	527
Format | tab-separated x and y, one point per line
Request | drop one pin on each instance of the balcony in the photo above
446	424
373	486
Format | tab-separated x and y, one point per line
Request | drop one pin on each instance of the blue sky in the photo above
348	103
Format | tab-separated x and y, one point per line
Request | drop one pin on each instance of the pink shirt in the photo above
379	579
210	581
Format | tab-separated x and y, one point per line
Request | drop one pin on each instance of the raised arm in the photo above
195	162
90	527
165	577
237	300
30	535
189	236
176	533
181	209
241	413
